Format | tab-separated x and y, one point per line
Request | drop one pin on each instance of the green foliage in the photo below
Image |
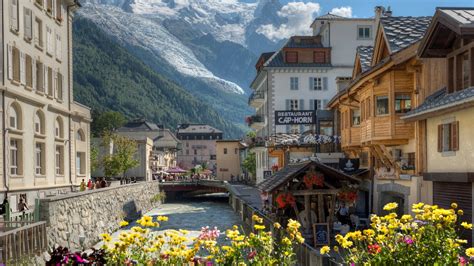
251	134
95	162
250	163
122	158
160	197
107	121
107	77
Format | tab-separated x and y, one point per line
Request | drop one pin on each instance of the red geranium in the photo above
374	249
313	179
285	199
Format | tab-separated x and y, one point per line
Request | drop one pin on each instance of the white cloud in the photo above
299	15
343	11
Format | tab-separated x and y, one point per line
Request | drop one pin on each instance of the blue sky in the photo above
365	8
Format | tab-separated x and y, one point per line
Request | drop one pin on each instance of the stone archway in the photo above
393	192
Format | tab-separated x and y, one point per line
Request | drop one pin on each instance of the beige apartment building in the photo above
45	140
228	159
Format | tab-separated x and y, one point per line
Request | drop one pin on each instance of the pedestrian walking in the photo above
22	206
82	186
90	185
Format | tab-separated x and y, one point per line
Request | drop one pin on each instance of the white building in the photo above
304	75
45	140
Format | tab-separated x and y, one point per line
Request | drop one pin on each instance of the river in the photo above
192	214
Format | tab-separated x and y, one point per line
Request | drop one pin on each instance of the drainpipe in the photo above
5	180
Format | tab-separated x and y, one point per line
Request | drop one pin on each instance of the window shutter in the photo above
55	84
22	68
10	62
287	102
440	138
455	136
45	78
325	104
311	104
301	107
54	8
14	15
311	84
325	83
33	73
27	23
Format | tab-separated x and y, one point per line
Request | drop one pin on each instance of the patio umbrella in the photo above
176	170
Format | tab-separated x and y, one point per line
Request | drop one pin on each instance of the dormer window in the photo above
319	57
291	57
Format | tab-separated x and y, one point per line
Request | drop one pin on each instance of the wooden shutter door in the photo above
440	138
10	62
14	15
22	68
28	23
33	74
455	136
311	84
325	83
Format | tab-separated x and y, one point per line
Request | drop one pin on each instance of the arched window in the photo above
15	117
80	135
39	122
58	128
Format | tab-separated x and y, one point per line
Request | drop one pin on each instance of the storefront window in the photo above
326	128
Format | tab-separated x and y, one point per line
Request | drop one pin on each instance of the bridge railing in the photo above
21	239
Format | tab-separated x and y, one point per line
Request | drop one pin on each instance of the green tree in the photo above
250	163
122	159
95	162
107	122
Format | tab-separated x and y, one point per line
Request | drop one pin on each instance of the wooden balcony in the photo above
389	130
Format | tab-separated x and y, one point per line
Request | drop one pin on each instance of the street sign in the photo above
295	117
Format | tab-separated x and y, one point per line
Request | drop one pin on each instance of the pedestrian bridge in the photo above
183	188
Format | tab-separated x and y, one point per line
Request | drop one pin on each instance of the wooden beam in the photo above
315	192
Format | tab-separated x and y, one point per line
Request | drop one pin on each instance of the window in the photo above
80	135
15	157
225	150
195	152
59	160
319	57
59	86
293	105
49	6
58	128
187	152
58	50
364	159
326	128
381	105
465	70
15	117
448	137
14	11
316	84
213	157
49	80
38	32
355	117
236	151
15	64
59	16
316	104
39	123
364	32
294	83
39	159
29	71
402	103
80	163
28	24
291	57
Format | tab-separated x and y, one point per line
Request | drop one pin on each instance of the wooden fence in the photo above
21	239
305	254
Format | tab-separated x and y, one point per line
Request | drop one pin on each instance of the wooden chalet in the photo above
448	110
310	192
385	85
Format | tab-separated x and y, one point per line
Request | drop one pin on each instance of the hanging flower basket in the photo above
285	199
348	195
275	168
311	179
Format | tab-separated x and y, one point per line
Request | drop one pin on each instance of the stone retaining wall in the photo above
93	212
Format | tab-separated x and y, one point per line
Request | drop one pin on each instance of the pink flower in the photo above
252	255
462	261
408	240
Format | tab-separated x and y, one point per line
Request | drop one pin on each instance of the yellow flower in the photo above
257	219
390	206
123	223
466	225
461	241
454	205
470	252
460	212
162	218
277	225
259	227
369	232
300	239
336	248
324	250
347	244
418	205
106	237
406	218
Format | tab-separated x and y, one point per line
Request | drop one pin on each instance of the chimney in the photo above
388	12
379	11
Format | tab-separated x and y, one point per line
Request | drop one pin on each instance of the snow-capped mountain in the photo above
171	29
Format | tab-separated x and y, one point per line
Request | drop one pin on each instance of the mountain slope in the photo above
108	77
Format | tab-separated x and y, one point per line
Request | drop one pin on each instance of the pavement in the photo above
251	195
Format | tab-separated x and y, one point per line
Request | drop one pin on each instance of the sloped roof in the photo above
329	16
266	56
196	128
441	100
463	15
167	140
402	32
365	56
139	125
291	171
304	42
277	61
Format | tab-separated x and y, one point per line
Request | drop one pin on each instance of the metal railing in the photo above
20	240
256	95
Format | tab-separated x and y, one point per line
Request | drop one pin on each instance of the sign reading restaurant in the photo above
295	117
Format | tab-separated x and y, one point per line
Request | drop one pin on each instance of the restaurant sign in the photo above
295	117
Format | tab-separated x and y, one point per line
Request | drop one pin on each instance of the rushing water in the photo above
192	214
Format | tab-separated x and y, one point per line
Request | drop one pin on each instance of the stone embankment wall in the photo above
85	215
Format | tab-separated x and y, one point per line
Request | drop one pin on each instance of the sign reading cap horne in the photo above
295	117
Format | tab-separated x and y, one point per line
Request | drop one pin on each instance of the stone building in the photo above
198	145
45	140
